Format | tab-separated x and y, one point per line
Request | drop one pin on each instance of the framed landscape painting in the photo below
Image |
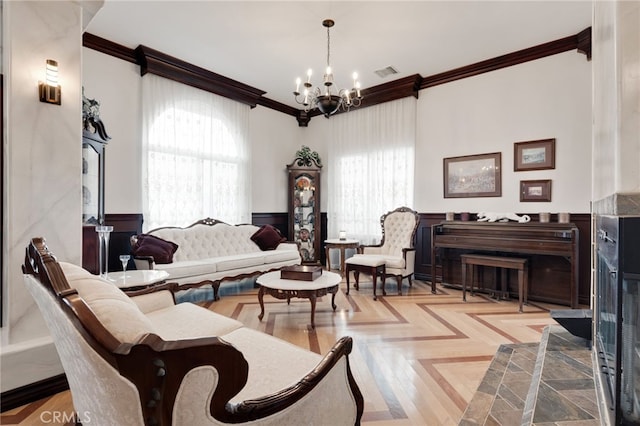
534	155
535	190
473	176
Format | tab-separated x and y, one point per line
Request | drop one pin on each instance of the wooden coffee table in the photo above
271	283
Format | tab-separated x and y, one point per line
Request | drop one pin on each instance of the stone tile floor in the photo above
544	384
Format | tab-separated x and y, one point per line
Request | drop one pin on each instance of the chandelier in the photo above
327	99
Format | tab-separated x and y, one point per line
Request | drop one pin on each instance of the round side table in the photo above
137	279
341	245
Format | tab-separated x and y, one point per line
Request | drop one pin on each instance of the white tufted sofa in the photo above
210	252
396	249
144	360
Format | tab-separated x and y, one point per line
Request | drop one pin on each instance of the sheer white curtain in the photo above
195	155
370	167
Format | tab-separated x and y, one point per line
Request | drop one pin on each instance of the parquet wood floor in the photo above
418	358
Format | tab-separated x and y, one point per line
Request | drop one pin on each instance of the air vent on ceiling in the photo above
382	73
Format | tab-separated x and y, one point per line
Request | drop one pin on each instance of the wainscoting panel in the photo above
124	226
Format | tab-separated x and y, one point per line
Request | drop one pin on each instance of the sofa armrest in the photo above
144	262
154	298
158	367
409	255
287	245
286	398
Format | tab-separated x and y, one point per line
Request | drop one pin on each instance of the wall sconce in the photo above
50	91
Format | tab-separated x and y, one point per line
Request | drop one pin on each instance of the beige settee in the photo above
144	360
210	252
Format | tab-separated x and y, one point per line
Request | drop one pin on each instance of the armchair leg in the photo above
399	280
356	275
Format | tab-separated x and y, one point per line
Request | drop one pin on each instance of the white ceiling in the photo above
267	44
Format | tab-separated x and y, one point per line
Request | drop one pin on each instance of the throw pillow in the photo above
267	237
161	250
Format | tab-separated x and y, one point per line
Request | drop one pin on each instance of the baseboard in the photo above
32	392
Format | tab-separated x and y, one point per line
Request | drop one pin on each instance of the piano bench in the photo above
520	264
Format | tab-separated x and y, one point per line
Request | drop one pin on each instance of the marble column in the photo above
43	171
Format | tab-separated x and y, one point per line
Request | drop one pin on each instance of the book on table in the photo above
301	272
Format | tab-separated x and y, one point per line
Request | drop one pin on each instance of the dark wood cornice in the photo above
396	89
175	69
580	42
110	48
158	63
386	92
278	106
583	38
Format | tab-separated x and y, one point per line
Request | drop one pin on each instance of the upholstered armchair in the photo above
396	249
143	360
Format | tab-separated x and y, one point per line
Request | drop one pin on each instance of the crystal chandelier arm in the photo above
323	98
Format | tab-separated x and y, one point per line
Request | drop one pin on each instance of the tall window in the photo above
195	155
371	155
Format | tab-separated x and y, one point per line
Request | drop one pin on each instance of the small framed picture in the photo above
534	155
535	190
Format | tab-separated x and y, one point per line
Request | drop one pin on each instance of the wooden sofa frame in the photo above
215	284
157	367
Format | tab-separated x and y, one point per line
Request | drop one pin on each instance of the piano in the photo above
553	239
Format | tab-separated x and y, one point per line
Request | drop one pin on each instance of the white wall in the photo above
275	137
43	171
116	84
616	93
546	98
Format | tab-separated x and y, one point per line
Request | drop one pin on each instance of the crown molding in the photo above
158	63
386	92
580	42
161	64
105	46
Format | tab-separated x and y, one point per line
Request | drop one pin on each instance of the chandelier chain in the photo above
328	46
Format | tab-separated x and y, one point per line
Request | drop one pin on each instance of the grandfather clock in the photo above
304	204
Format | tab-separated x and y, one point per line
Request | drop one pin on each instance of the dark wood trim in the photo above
102	45
280	221
584	42
386	92
278	106
156	62
124	226
32	392
580	42
175	69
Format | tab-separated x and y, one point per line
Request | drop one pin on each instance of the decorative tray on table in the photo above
300	272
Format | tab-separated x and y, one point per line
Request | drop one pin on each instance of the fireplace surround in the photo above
617	316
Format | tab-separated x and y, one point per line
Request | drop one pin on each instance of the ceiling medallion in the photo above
326	99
